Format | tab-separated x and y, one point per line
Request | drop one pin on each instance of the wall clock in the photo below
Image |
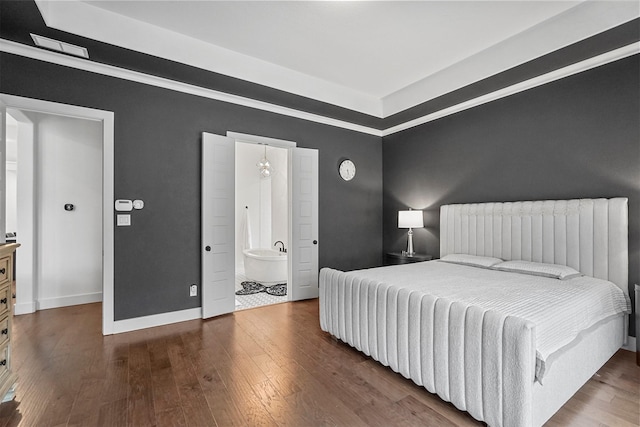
347	170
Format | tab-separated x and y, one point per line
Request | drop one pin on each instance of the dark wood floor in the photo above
260	367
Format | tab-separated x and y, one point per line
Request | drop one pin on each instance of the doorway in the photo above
262	224
28	271
219	220
59	168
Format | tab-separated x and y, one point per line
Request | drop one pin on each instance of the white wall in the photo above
279	196
26	274
267	199
12	197
11	158
69	170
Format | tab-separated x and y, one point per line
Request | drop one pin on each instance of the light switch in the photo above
123	220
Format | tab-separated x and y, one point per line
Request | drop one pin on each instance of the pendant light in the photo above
264	166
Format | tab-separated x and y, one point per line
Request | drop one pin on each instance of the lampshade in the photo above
410	219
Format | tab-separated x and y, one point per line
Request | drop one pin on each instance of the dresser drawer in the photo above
5	299
4	359
5	331
5	268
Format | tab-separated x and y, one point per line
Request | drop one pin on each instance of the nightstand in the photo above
394	258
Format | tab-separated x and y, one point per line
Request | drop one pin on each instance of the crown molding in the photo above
109	70
135	76
580	21
561	73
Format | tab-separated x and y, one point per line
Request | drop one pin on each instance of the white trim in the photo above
255	139
108	70
107	119
108	263
631	343
24	308
154	320
47	303
558	74
134	76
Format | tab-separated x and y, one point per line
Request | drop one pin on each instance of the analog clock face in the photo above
347	170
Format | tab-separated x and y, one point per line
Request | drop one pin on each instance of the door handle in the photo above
315	242
207	248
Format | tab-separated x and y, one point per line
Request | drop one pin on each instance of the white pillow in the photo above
472	260
554	271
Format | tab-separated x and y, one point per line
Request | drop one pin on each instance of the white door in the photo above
3	171
218	225
303	255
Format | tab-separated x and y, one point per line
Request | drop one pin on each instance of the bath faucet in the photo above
282	243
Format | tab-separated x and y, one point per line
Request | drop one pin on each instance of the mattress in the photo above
382	309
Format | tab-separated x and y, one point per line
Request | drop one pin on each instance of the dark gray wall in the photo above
157	159
576	137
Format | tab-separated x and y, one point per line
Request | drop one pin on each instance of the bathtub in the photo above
265	265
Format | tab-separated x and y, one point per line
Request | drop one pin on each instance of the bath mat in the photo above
249	288
277	290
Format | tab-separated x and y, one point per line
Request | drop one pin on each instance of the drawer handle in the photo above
5	331
3	301
3	270
3	362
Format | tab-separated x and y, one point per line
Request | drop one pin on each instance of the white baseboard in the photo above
153	320
24	308
46	303
631	343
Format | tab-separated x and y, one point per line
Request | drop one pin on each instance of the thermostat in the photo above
124	205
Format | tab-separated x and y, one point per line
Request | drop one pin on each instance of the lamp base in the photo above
410	251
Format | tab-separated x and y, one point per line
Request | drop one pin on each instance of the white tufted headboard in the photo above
590	235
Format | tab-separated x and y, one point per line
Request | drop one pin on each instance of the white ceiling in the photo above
375	48
377	57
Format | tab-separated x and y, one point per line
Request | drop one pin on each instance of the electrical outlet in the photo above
193	290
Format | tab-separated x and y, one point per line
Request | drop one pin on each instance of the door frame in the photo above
280	143
107	119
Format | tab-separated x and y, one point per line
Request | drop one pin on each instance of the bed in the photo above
508	346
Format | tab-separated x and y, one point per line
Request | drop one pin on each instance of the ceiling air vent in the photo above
71	49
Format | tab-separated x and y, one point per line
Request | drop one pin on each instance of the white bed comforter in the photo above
559	309
458	330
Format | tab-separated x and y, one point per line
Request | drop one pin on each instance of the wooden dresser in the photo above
7	378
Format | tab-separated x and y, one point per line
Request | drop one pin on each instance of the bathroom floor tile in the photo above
259	299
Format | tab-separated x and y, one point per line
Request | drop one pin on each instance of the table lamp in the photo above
410	219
